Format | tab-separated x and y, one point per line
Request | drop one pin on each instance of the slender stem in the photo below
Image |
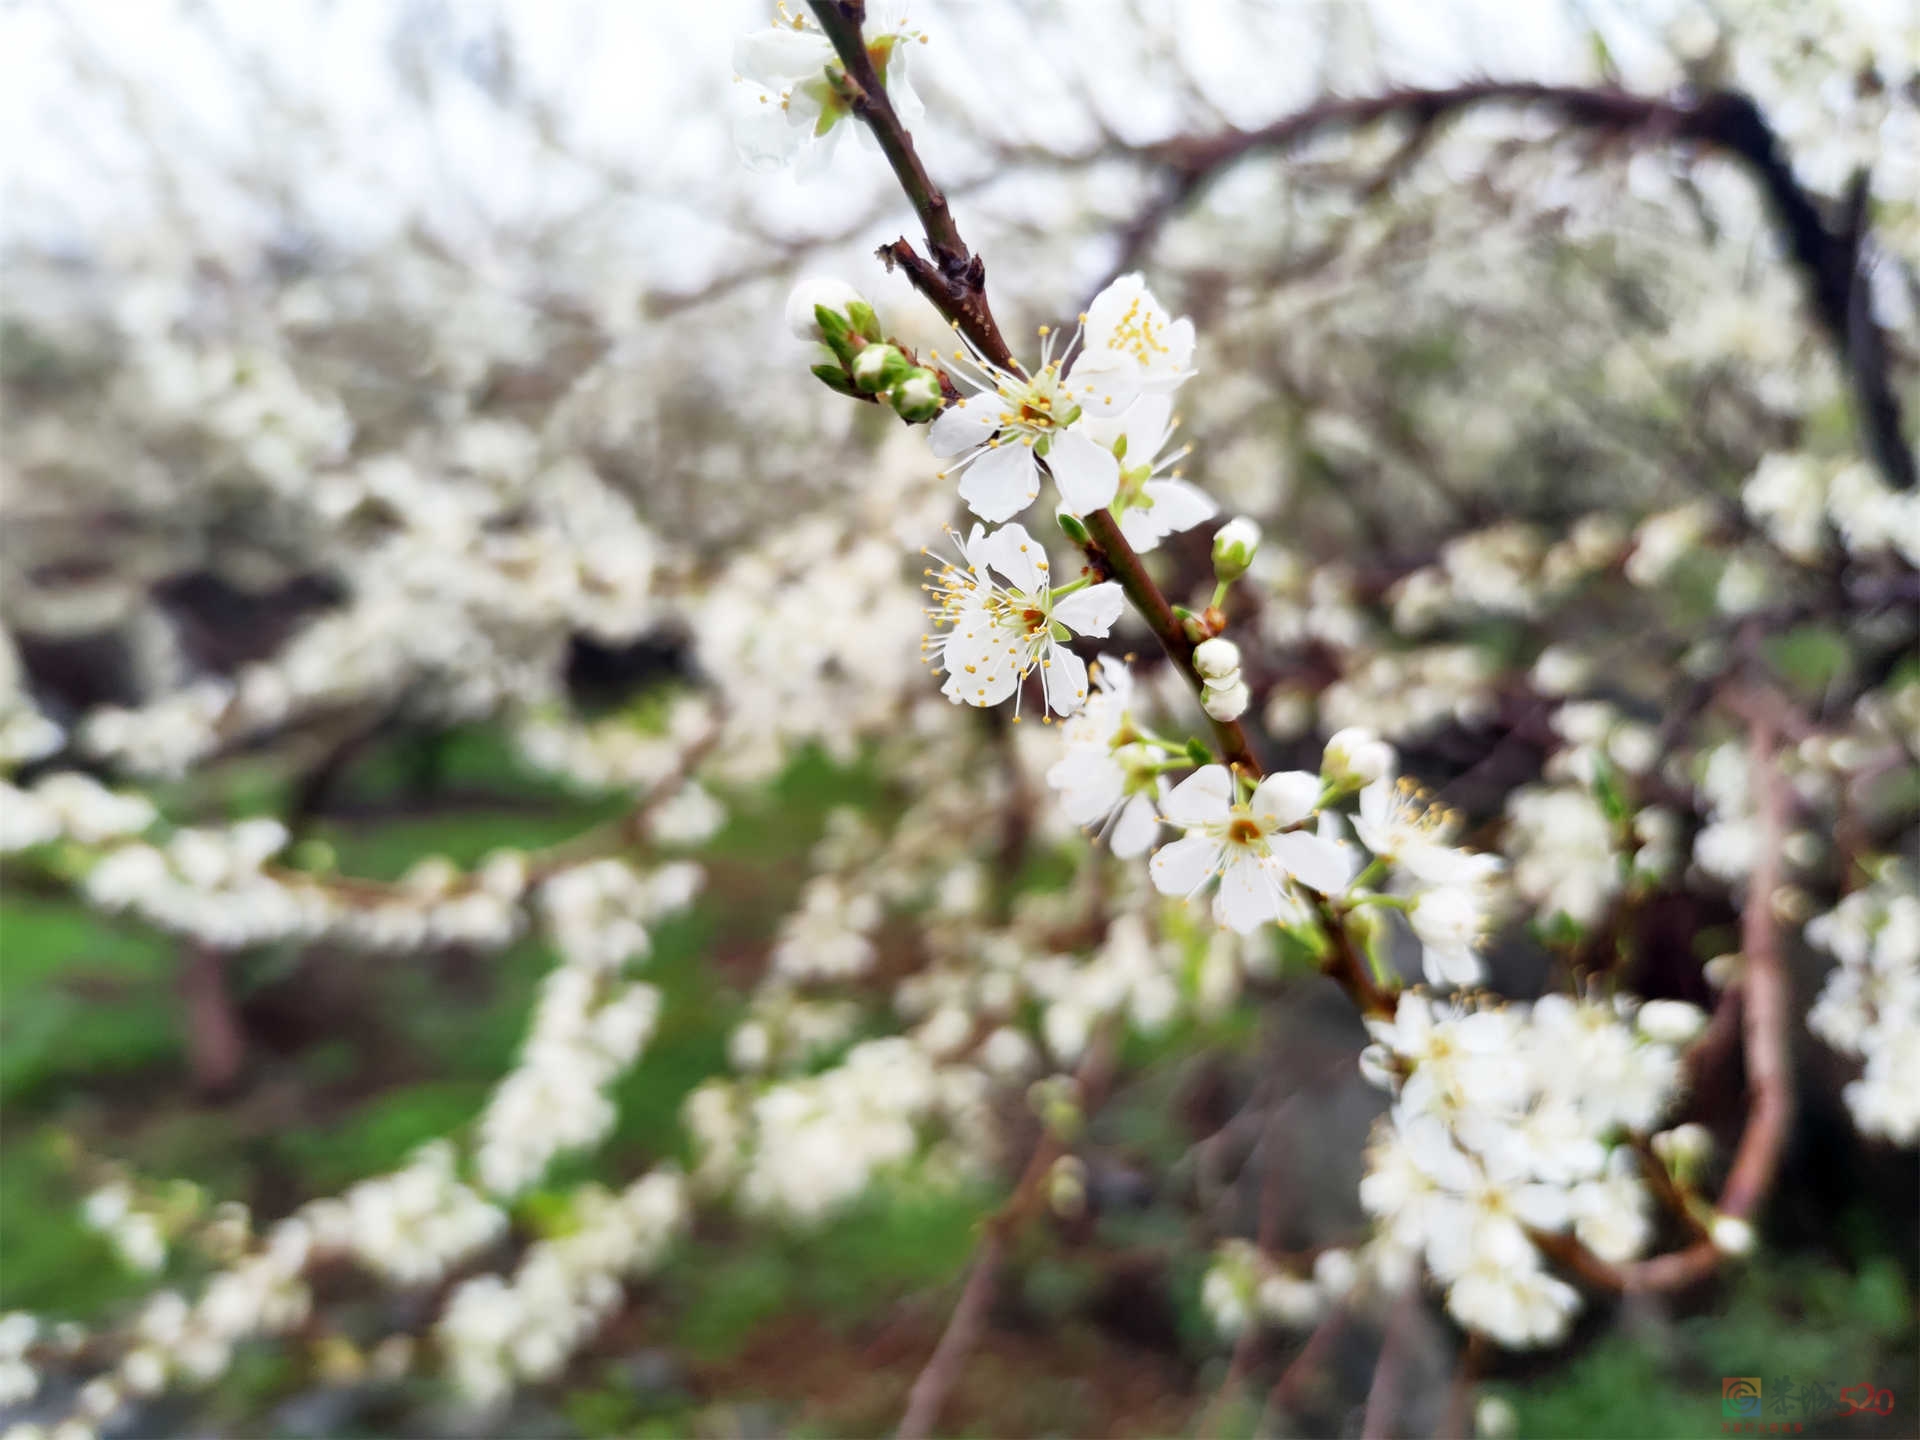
1110	547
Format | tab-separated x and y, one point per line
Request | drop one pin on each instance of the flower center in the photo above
1244	830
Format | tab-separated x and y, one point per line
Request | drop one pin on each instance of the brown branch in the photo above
1383	1395
1288	1390
942	1370
216	1043
1765	1011
1458	1422
1832	257
954	283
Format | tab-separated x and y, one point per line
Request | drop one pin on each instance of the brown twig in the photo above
964	1326
954	283
1766	1013
1383	1395
1288	1389
1458	1422
1832	256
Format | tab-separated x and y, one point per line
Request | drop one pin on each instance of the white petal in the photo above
1205	795
1286	798
1176	504
1092	611
1001	483
1090	784
1019	557
963	425
1312	861
1135	830
1183	867
1086	475
1108	388
1246	899
1064	676
1139	528
778	56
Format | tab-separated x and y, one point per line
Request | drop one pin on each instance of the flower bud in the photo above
1216	659
1228	704
1334	1272
879	367
818	292
1671	1022
1355	758
1684	1150
1731	1235
1233	547
917	397
1494	1419
1067	1187
1288	1300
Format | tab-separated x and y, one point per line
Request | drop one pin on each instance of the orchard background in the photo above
507	926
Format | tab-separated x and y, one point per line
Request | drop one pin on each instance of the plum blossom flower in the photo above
1248	845
1399	822
997	437
1151	501
997	635
1107	777
1452	918
794	110
1133	347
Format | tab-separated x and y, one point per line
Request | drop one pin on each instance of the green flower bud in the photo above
879	367
1074	530
834	378
917	397
1233	547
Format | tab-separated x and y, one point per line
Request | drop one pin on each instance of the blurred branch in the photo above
942	1370
1831	256
1765	1011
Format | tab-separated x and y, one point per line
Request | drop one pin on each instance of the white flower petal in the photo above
1205	795
1312	861
1063	674
1092	611
1183	867
962	426
1137	826
1247	897
1018	556
1001	483
1087	475
1286	798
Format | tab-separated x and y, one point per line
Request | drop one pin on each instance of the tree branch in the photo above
1829	256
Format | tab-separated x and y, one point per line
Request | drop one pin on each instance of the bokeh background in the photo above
496	265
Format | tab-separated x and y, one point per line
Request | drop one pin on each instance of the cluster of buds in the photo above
1223	692
864	363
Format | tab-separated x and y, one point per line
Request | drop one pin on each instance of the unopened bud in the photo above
1684	1150
1229	704
819	292
1288	1300
879	367
1355	758
1067	1187
917	397
1731	1235
1216	659
1670	1022
1233	547
1494	1419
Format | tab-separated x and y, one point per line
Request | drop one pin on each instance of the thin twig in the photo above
1383	1395
1765	1012
1832	257
964	1326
